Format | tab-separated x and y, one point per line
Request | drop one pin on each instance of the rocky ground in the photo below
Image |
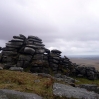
61	90
23	85
73	92
27	66
11	94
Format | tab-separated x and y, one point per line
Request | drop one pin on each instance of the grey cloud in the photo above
14	20
68	25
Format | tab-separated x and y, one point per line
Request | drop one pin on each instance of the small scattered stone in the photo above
16	69
1	68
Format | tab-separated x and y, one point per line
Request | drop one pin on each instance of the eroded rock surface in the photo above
69	92
11	94
90	87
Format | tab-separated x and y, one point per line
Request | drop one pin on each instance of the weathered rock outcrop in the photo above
90	87
30	54
73	92
11	94
88	72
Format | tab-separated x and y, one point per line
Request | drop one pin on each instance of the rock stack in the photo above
23	53
88	72
37	61
66	65
54	59
46	67
10	52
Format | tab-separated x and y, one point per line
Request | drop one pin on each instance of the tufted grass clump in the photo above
26	82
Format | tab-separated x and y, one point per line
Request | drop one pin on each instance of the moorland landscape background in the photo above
87	60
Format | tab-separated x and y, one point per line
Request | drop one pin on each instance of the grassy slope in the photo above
27	82
86	81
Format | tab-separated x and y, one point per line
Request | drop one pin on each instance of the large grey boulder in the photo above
2	95
11	94
55	51
69	92
28	50
90	87
66	79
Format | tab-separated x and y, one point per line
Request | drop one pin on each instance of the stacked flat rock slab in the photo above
10	52
46	67
26	55
24	52
66	65
88	72
37	61
32	54
54	59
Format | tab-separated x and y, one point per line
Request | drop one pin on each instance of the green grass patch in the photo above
87	81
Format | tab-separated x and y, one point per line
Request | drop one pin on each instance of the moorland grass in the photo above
28	82
86	81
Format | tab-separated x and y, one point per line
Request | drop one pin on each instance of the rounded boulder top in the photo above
34	37
55	51
18	37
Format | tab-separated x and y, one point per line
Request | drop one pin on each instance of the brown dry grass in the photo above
26	82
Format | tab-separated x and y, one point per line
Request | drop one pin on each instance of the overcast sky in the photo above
71	26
